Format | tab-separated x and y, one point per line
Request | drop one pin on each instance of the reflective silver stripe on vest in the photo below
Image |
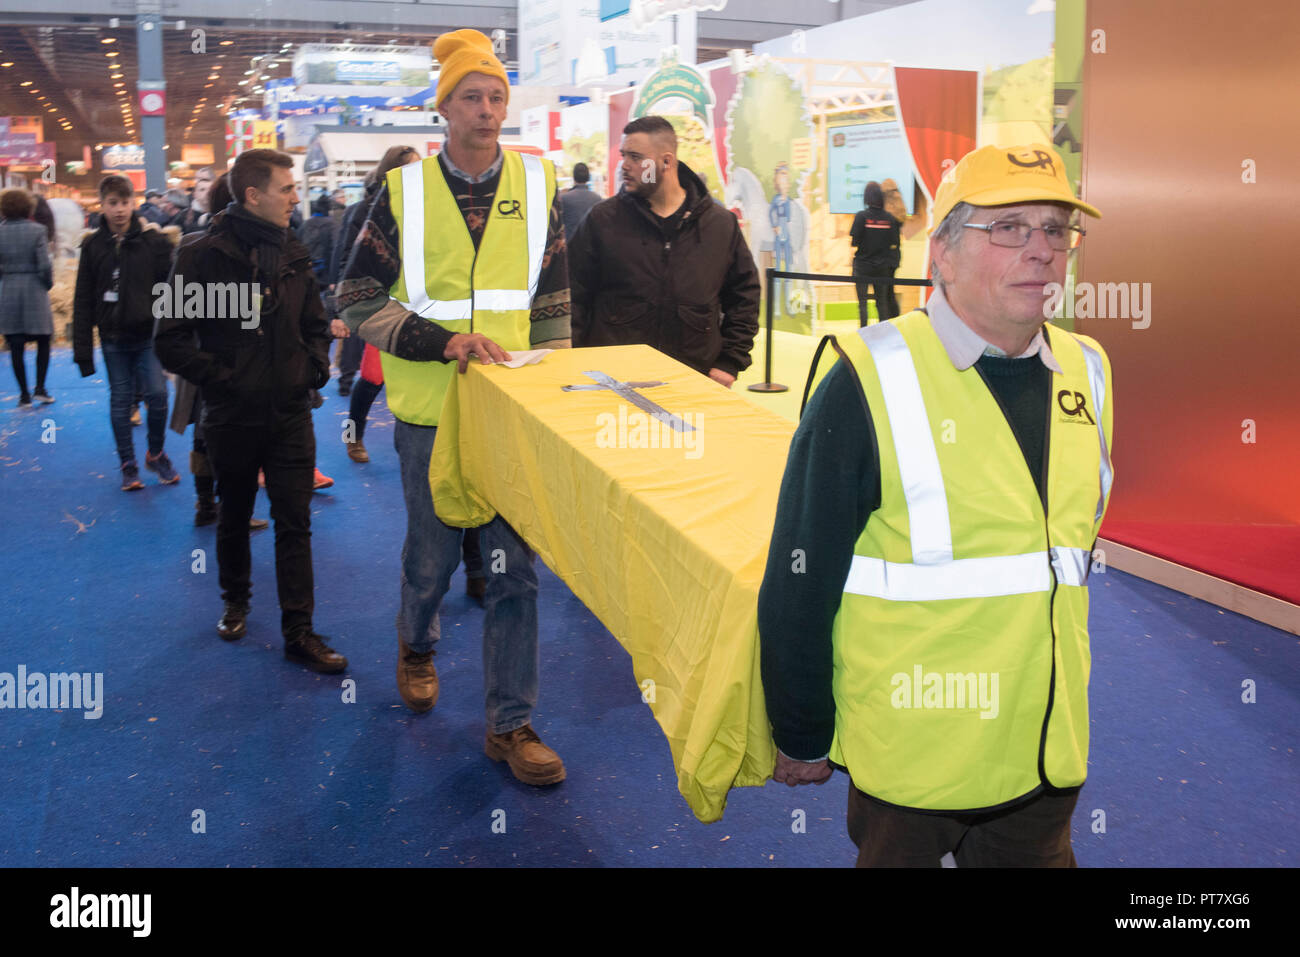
962	578
918	460
493	300
413	243
1097	378
538	219
1071	565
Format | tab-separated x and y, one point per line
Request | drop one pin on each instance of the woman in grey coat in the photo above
25	280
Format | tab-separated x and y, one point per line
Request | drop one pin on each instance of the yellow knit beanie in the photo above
462	52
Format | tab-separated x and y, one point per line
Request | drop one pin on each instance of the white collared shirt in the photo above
965	346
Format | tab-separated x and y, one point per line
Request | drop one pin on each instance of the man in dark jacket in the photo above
662	264
318	235
577	202
150	210
120	262
255	370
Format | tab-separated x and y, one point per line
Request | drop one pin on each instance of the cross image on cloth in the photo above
627	390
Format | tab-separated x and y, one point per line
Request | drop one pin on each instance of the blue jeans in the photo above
132	367
429	556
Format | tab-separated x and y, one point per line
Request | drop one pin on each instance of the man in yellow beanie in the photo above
462	255
946	486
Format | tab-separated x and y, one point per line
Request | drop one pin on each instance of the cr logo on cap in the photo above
1040	159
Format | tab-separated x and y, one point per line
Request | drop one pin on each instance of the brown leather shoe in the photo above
530	761
417	678
357	452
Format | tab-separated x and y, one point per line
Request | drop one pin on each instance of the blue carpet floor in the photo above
285	772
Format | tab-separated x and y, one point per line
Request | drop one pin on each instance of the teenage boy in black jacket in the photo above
120	263
256	351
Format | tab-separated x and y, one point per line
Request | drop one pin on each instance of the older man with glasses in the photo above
945	489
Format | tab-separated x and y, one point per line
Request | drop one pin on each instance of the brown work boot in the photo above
530	761
417	678
357	452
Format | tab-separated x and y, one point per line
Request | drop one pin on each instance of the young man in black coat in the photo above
120	263
257	349
662	264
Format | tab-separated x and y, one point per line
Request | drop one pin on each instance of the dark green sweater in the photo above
831	486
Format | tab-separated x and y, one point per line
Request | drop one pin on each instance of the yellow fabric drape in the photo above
667	546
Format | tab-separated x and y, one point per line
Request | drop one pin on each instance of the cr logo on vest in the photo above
1074	405
509	208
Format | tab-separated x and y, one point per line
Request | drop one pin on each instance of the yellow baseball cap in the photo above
462	52
996	175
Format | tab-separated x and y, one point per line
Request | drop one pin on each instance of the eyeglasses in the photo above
1015	235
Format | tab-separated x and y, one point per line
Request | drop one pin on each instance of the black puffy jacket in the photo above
693	296
248	376
142	258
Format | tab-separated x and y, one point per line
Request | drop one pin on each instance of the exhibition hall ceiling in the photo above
81	77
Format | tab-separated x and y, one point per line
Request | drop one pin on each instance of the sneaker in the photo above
357	452
321	481
24	401
309	650
43	397
135	416
257	524
530	761
417	678
131	477
161	464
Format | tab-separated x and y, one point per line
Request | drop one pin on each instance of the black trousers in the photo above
886	302
1033	834
16	343
285	451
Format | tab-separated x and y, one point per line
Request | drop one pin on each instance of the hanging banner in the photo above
239	136
331	69
264	135
197	154
28	124
125	156
21	149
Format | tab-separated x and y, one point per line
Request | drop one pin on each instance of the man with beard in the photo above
662	264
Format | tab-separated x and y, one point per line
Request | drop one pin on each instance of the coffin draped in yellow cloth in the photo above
666	545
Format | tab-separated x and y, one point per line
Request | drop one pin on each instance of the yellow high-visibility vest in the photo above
444	280
961	654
